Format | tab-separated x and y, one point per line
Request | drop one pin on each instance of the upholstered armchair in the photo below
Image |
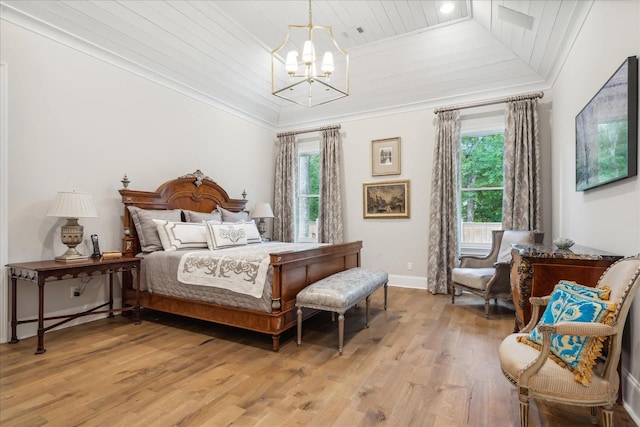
566	366
488	276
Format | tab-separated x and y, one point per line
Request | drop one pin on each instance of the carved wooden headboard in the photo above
194	191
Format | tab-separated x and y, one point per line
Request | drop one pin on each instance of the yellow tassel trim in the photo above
606	294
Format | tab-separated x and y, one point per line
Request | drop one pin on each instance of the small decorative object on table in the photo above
563	242
111	254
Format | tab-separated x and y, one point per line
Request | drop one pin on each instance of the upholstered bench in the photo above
339	292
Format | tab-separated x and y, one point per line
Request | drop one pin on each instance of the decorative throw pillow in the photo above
251	230
194	216
146	228
228	216
602	292
577	353
221	236
509	237
181	235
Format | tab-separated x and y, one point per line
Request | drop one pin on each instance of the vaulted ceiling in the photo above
404	54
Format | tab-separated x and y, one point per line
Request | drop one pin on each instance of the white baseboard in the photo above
631	395
414	282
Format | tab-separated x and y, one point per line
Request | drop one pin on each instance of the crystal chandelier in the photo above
297	79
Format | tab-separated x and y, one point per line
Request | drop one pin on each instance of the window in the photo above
481	187
308	194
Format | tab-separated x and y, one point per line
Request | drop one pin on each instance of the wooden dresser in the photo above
537	268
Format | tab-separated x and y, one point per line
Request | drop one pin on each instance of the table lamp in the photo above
262	211
72	205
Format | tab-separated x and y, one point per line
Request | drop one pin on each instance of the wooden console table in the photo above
38	272
537	268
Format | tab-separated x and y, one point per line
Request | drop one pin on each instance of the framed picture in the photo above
387	199
607	131
385	157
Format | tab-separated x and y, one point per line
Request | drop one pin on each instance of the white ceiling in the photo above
408	55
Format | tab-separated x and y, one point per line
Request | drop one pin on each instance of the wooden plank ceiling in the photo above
403	54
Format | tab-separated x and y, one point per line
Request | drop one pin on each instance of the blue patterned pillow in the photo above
577	353
601	292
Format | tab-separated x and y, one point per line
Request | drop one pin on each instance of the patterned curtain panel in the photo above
521	200
330	212
284	189
443	217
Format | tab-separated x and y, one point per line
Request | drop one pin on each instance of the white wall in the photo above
76	122
608	217
391	244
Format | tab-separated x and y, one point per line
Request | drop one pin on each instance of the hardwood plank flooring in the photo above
424	362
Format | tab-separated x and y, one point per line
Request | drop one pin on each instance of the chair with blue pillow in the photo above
559	359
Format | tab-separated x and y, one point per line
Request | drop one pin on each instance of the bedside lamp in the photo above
72	205
262	211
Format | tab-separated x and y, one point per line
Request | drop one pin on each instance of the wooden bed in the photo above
292	271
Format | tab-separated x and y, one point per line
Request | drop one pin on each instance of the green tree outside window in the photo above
482	178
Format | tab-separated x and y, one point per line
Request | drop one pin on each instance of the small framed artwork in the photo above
385	156
386	199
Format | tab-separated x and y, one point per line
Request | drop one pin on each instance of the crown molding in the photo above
431	104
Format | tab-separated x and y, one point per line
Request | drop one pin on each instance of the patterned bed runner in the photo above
241	269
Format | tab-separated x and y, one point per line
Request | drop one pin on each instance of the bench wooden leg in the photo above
385	297
366	315
299	325
340	332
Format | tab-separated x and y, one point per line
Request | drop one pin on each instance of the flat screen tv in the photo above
607	131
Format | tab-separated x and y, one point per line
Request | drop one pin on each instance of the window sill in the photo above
475	249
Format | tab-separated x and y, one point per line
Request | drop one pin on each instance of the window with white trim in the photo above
481	187
308	192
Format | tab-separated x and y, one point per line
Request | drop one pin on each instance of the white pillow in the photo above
509	237
179	235
251	230
221	236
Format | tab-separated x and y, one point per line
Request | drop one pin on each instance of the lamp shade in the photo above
308	52
327	63
70	204
261	210
292	62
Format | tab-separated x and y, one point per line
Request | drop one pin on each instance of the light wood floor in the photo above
423	362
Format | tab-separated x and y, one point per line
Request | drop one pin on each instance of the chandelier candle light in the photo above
72	205
297	79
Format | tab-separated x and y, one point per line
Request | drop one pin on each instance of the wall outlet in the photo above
75	292
409	266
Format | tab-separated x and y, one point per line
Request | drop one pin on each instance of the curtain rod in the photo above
491	102
296	132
